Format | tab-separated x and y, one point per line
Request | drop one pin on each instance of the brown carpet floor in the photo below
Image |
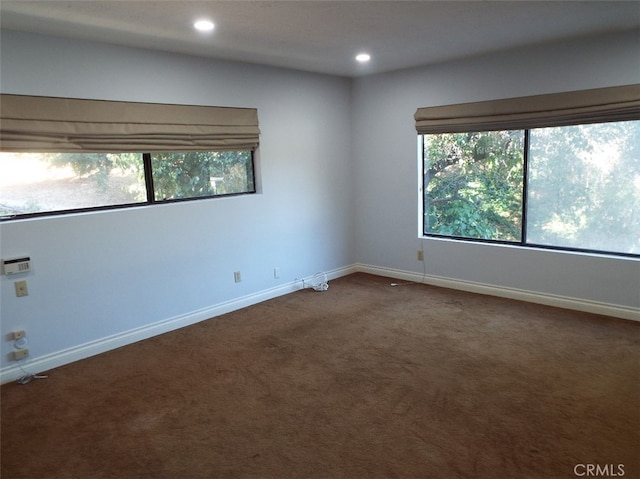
364	380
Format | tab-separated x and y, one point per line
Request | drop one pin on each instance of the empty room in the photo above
349	239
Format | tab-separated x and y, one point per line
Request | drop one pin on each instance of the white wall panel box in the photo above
16	265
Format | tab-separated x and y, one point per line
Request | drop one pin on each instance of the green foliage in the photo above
175	175
583	186
473	184
97	165
196	174
179	176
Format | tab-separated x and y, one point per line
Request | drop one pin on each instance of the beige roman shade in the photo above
558	109
48	124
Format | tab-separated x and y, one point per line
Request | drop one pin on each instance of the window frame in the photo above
150	195
523	242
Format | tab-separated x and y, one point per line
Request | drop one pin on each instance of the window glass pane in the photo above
473	184
584	187
197	174
45	182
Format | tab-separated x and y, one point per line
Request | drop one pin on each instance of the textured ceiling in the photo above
323	36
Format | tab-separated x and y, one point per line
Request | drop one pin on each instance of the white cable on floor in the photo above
28	377
318	282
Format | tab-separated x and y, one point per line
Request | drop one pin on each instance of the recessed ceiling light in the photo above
363	57
204	25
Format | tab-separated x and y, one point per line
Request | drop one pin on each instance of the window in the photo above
573	187
473	184
201	174
584	187
70	154
33	184
559	170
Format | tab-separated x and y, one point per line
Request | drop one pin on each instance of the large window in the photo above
33	184
572	187
473	184
70	154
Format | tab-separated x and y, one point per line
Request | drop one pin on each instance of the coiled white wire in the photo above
318	282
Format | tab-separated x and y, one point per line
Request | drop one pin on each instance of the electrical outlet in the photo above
236	276
21	288
18	334
20	354
420	255
276	273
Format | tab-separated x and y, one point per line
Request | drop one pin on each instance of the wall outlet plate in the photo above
18	334
20	354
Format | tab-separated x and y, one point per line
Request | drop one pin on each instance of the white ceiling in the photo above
324	36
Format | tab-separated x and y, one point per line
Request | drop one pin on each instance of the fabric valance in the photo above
50	124
557	109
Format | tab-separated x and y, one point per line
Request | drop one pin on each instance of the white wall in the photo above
98	276
338	180
386	170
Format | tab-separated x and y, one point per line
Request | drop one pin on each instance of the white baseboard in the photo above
60	358
511	293
83	351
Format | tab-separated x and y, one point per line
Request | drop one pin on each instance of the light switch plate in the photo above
21	288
